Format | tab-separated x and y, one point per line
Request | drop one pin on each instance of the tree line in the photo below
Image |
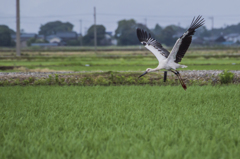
125	34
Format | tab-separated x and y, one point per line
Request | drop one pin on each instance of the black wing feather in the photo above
146	39
187	38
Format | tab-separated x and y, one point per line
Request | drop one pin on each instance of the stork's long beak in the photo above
143	74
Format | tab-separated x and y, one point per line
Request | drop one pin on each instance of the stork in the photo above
169	61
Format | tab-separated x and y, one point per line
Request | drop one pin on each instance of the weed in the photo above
120	79
130	80
226	77
101	81
111	77
26	82
143	80
16	82
50	79
41	82
62	81
6	83
31	79
56	78
88	80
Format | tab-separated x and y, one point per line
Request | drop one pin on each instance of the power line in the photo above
49	16
109	14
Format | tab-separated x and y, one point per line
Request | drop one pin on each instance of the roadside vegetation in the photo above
116	78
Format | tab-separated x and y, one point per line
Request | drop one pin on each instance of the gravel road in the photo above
185	74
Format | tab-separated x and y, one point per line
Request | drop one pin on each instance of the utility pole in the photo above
212	18
145	22
81	32
95	30
18	49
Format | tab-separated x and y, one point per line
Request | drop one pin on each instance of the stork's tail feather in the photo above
183	66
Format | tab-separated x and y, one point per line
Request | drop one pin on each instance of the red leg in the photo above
180	79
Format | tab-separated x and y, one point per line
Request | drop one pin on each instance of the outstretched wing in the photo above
152	45
182	44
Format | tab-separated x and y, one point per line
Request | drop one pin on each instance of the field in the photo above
114	60
120	122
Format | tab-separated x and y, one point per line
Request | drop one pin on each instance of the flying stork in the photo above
169	61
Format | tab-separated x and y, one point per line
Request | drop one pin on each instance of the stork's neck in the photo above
154	69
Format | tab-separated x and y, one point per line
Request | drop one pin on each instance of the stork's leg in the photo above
180	79
165	76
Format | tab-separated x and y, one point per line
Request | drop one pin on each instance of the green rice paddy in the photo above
120	122
135	60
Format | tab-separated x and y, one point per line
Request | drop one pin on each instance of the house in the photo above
54	39
44	44
61	38
24	37
198	40
40	37
109	39
65	36
220	39
233	37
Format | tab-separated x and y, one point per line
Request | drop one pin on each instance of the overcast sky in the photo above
109	12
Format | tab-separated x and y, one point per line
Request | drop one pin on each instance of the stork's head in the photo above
147	70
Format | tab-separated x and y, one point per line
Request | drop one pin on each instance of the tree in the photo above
5	36
89	38
166	36
54	27
203	32
73	42
157	30
126	32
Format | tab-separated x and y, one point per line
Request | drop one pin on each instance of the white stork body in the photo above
169	61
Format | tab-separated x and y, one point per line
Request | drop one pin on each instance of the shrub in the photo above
130	80
26	82
101	81
111	77
62	81
143	80
6	83
40	82
56	78
31	79
120	79
226	77
49	79
16	82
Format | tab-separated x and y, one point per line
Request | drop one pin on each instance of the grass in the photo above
117	59
120	122
116	64
139	68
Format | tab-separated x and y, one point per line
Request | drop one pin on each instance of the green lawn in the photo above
120	122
